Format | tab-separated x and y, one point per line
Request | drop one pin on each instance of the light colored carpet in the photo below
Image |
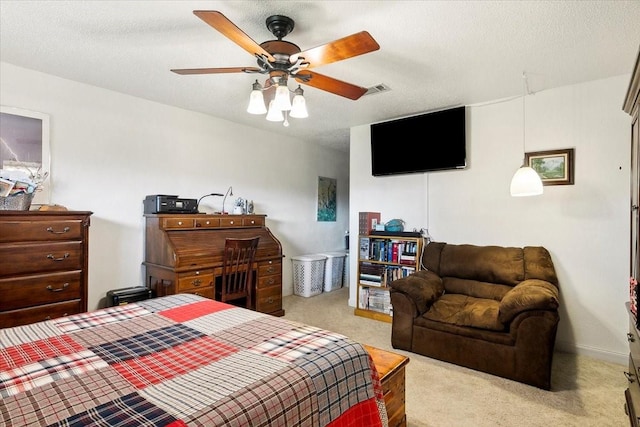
584	391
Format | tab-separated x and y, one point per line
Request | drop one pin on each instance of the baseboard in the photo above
596	353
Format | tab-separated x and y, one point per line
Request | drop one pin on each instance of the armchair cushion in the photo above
532	294
423	287
463	310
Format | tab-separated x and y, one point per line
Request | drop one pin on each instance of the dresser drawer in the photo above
632	393
9	319
231	221
195	280
270	280
28	291
253	221
40	257
634	341
207	222
178	223
266	268
205	291
46	230
269	299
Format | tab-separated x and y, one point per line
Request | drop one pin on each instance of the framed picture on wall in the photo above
327	199
555	167
24	147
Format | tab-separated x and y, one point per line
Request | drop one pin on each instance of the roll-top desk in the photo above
183	254
43	265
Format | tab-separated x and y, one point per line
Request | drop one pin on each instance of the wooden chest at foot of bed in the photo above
390	367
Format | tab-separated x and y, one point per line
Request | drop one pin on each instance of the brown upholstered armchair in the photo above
489	308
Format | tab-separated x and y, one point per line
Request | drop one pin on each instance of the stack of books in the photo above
375	300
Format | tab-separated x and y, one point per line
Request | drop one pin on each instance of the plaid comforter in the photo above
183	360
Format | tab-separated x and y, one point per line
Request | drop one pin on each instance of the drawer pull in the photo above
629	376
64	230
630	338
272	281
64	286
196	282
271	270
270	300
53	258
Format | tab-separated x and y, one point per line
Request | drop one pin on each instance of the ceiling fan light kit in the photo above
281	60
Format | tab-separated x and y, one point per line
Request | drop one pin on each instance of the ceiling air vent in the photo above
379	88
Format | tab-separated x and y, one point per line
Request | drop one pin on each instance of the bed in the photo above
184	360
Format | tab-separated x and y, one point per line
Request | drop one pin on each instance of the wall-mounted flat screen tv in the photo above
427	142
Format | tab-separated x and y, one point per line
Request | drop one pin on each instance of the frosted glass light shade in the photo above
256	103
281	100
274	114
299	107
526	182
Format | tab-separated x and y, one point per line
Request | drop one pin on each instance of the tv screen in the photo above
426	142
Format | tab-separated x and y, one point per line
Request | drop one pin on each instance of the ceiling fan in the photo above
281	59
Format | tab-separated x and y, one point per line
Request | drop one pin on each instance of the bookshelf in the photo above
382	258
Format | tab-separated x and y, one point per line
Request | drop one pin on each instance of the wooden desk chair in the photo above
237	271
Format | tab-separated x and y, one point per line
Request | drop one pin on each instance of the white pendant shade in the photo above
256	103
282	101
526	182
299	107
274	114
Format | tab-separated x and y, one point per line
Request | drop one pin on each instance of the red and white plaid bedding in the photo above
184	360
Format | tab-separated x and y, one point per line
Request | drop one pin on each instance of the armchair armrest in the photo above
532	294
422	287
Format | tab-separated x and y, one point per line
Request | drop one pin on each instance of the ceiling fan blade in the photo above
221	23
347	47
330	84
186	71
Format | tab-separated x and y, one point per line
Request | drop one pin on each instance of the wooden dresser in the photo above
183	254
43	265
632	107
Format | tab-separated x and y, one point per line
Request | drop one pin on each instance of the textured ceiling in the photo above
433	54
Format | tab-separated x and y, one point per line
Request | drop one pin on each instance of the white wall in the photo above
585	226
110	150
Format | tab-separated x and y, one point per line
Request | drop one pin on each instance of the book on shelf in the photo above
376	283
367	221
395	251
364	248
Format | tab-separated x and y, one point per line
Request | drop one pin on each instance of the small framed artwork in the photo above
327	200
555	167
5	187
24	147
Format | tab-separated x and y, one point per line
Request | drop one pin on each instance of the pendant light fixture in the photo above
281	107
526	181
